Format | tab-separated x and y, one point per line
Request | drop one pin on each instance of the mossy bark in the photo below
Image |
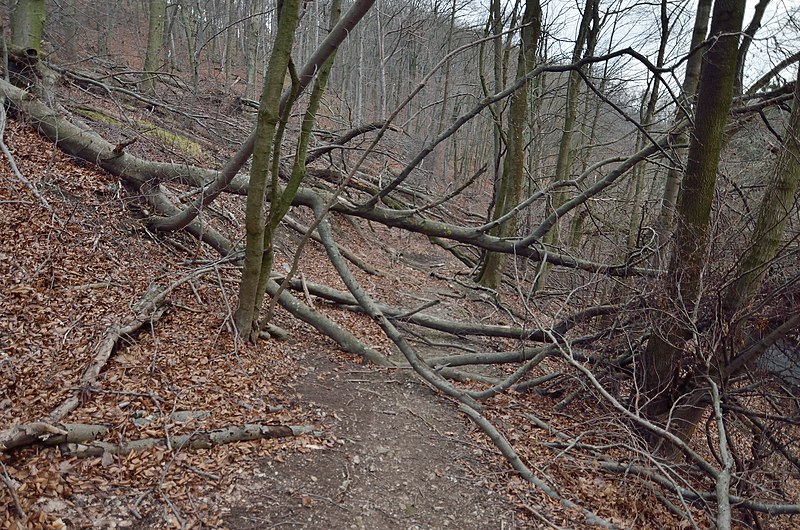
27	25
263	152
666	385
666	216
509	191
155	35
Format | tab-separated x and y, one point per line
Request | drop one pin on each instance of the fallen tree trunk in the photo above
138	173
455	327
145	177
346	340
197	440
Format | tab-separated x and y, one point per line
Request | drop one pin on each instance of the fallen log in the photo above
147	310
343	338
146	176
197	440
455	327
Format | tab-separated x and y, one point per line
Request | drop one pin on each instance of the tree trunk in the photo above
747	39
27	25
647	123
510	189
587	33
672	184
155	35
667	388
281	202
266	129
253	49
773	213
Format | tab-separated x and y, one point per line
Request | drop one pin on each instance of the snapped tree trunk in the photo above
27	25
668	386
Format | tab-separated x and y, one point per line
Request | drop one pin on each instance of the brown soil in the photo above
401	459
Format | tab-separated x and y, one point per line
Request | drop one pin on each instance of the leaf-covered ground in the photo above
389	452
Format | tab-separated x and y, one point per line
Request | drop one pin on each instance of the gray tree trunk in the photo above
509	190
155	35
664	388
27	25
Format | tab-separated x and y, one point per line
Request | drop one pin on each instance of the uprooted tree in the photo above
667	349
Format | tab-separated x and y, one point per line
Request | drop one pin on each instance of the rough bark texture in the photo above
49	434
27	25
509	191
266	129
199	440
663	386
672	185
155	34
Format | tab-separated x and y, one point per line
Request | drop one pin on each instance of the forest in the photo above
400	264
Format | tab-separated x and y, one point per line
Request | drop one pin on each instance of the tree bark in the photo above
672	185
773	214
263	152
155	35
27	25
198	440
587	34
667	394
509	190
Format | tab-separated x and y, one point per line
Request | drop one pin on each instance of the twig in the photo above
200	472
723	482
12	489
508	452
13	163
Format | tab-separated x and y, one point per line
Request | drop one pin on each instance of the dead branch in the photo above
508	452
14	169
49	434
141	174
12	486
346	252
512	379
147	310
197	440
455	327
692	495
343	139
723	482
464	376
521	355
346	340
416	362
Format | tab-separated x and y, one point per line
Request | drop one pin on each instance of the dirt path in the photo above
401	459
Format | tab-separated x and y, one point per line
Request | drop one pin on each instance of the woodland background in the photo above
560	239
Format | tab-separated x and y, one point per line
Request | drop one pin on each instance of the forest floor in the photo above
390	453
387	452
